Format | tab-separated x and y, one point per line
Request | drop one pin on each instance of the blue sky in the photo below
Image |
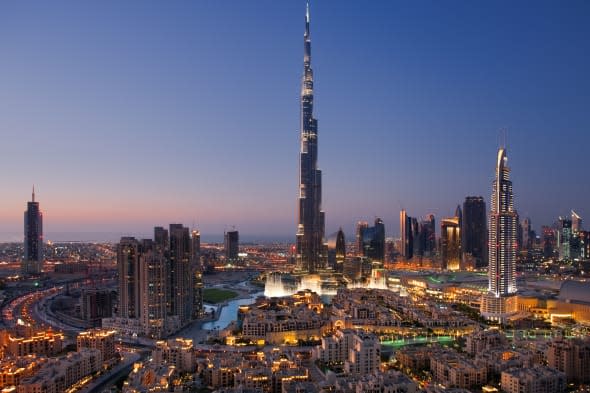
127	115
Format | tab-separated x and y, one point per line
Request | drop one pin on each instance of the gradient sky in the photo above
127	115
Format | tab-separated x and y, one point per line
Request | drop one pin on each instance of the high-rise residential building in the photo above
450	243
180	289
474	230
128	252
153	283
576	222
360	226
311	225
374	241
232	245
32	262
197	274
336	251
499	303
564	238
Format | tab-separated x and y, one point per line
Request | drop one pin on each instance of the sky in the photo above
128	114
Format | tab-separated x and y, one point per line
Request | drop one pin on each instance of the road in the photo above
119	371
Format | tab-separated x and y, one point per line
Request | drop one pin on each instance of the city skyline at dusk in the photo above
127	117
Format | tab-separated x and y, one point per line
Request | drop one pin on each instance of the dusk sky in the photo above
127	115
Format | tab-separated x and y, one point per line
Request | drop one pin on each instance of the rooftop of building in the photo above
575	292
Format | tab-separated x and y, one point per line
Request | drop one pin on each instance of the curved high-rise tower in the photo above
310	228
498	304
502	237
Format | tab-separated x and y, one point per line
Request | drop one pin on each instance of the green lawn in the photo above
216	295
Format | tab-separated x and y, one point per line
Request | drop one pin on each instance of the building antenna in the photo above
33	193
503	137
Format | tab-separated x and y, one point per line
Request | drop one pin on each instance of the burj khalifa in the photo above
310	228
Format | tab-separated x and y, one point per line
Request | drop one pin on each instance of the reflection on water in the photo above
229	312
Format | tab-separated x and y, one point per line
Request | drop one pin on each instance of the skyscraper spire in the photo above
310	228
33	200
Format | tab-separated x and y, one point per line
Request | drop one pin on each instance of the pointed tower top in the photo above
307	18
33	193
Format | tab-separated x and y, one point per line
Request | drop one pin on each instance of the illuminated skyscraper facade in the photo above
310	228
502	235
32	262
498	304
450	243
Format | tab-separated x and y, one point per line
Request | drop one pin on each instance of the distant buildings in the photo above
32	262
499	302
564	238
405	225
373	241
336	251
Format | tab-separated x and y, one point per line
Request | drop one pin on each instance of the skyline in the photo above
107	121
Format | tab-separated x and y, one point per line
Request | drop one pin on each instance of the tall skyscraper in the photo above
498	304
474	230
310	229
450	243
32	262
232	245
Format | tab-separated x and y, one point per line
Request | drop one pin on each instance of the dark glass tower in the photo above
310	229
474	230
374	241
33	258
